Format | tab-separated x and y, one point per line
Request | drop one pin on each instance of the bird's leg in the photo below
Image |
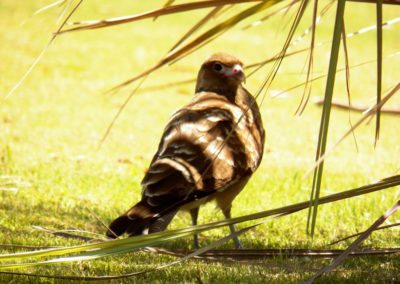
227	214
194	213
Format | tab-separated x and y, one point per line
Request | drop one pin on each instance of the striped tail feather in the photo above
133	222
138	226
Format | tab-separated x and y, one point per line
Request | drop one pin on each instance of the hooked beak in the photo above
236	72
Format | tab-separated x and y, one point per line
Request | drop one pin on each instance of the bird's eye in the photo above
217	67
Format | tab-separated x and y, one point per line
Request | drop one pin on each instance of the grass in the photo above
52	174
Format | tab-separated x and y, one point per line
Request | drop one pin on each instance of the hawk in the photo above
208	151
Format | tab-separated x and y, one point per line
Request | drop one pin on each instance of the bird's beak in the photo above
236	71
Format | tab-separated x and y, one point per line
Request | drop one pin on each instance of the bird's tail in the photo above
139	219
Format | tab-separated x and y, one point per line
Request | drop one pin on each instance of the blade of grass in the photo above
337	261
323	132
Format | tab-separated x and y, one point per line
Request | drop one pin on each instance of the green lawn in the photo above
52	174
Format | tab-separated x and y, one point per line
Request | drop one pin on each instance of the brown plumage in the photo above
208	151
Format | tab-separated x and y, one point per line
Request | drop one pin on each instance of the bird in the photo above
208	151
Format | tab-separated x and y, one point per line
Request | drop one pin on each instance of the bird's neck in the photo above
230	92
208	81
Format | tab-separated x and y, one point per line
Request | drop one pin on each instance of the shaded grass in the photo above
51	127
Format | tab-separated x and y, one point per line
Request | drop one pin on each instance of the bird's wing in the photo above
202	150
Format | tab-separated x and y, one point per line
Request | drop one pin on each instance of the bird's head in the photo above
220	73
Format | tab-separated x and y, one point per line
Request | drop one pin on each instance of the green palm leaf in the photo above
324	126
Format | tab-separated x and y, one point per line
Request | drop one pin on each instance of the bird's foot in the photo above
196	242
238	244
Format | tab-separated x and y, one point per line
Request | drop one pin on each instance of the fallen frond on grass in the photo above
113	247
355	235
244	254
341	258
69	234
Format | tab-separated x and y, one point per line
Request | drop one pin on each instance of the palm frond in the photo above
167	4
242	254
360	108
64	10
205	37
307	91
120	109
379	65
368	113
347	66
337	71
274	70
96	250
50	6
197	26
386	2
337	261
260	64
324	126
263	19
185	7
36	61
